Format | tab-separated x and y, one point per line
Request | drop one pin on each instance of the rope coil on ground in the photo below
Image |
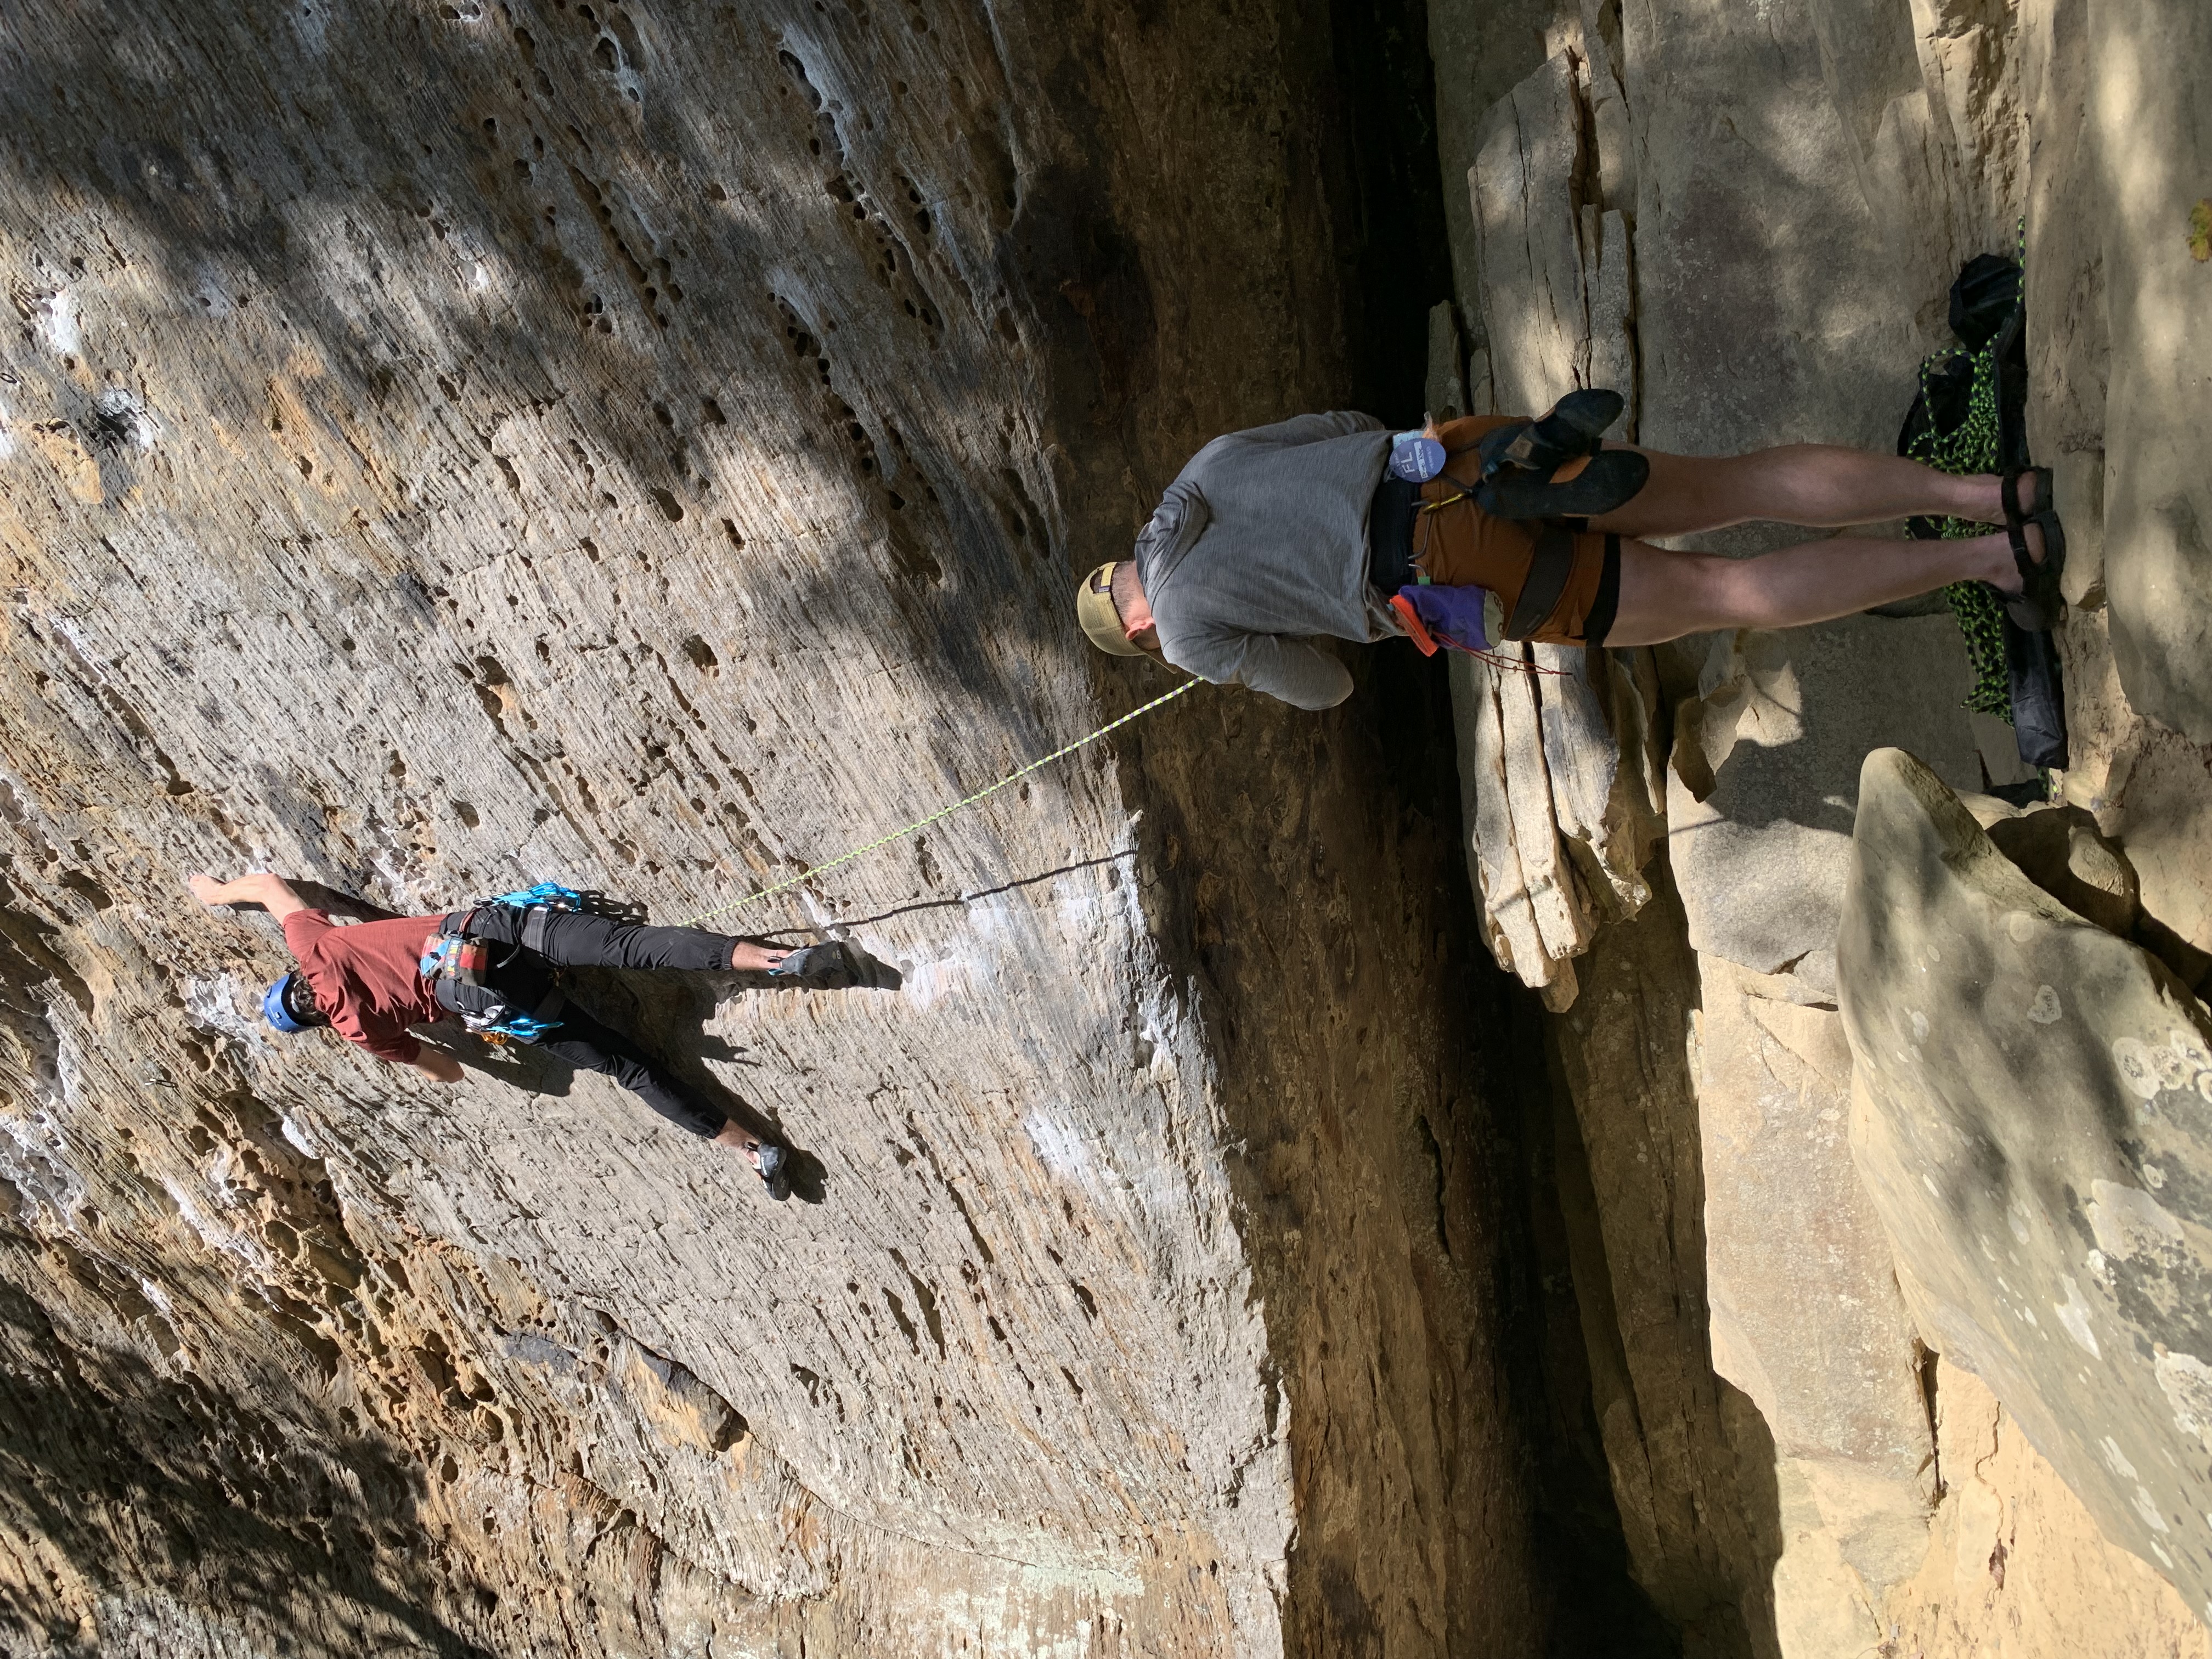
946	812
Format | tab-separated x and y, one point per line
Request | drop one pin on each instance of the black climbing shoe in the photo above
773	1163
1522	465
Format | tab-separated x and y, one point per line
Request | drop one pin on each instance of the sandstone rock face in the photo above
1795	210
1797	184
2030	1123
1559	787
1692	1459
2015	1564
1806	1316
1760	785
1559	748
2135	254
447	446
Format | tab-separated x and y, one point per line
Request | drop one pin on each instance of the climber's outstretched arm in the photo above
272	893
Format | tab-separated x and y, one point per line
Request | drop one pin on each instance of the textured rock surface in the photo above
2016	1565
1806	1316
1798	182
2030	1123
449	446
2156	291
1559	750
1763	773
1553	261
1693	1461
1796	224
1559	772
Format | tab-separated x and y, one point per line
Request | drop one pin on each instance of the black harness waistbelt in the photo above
1390	534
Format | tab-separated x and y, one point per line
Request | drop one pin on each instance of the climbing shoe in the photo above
773	1163
1555	467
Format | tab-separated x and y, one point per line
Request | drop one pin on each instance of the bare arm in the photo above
270	892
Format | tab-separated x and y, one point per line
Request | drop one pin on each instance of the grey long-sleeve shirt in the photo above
1260	543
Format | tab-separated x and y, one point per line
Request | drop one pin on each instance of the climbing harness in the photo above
946	812
460	965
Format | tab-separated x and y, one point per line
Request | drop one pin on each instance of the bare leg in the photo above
1815	484
1665	595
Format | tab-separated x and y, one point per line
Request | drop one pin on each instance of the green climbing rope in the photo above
945	812
1968	448
1973	447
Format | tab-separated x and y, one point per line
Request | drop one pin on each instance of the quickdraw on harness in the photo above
464	962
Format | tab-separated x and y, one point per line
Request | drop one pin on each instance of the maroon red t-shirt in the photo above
367	979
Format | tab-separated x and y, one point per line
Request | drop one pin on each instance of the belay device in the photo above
460	965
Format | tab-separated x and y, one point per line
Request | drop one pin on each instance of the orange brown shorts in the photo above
1557	581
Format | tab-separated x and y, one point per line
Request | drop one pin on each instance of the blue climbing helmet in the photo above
280	1010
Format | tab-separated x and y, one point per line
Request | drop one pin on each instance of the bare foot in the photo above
731	1135
771	1163
2008	581
757	958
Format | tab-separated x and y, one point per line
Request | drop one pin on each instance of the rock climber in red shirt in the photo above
366	983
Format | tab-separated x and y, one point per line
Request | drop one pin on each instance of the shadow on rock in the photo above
667	1015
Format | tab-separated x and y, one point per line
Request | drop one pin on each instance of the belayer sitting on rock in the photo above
497	965
1497	527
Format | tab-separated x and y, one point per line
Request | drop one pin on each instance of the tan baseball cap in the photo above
1101	622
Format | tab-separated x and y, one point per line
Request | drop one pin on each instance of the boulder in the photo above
1763	772
2060	849
2014	1564
2029	1117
